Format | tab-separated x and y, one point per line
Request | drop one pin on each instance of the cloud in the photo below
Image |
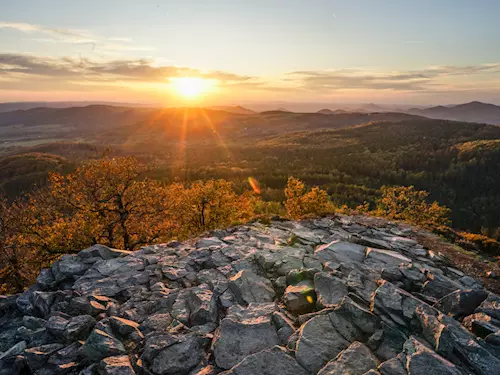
76	37
127	69
412	80
29	28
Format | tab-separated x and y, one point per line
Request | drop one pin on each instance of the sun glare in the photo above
191	87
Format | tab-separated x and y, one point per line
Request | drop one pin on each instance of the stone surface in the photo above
337	295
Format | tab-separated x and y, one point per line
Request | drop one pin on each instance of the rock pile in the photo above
327	296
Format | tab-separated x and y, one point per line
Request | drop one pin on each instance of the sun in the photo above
191	87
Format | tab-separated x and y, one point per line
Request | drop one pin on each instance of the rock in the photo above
179	358
313	287
393	366
461	303
387	342
330	290
386	257
56	326
481	324
249	287
13	351
38	356
117	365
420	360
101	251
79	327
340	251
490	306
241	336
318	343
202	306
439	286
355	360
100	345
300	298
156	322
272	361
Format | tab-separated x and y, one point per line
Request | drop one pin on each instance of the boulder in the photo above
100	345
318	343
179	358
249	287
461	303
117	365
272	361
340	251
330	290
355	360
239	336
300	298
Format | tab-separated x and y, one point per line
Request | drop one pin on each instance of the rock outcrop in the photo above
343	295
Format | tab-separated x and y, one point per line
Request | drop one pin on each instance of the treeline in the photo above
111	201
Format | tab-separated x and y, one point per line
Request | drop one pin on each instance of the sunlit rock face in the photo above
340	295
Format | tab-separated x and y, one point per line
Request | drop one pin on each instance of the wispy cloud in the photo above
411	80
76	37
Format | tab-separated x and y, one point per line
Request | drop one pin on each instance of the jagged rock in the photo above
420	360
156	310
243	333
439	286
273	361
481	324
300	298
38	356
387	257
461	303
330	290
490	306
117	365
13	351
249	287
179	358
318	343
340	251
100	345
394	366
101	251
355	360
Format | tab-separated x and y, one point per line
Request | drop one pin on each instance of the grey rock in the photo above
249	287
318	343
117	365
330	290
13	351
300	298
179	358
387	257
100	345
79	327
272	361
340	251
38	356
355	360
461	303
420	360
393	366
490	306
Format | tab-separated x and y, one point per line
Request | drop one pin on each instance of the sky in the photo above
236	51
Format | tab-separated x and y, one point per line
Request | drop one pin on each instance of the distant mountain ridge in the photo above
471	112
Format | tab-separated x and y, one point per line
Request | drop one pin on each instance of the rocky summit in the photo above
340	295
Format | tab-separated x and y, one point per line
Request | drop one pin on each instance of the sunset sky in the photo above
235	51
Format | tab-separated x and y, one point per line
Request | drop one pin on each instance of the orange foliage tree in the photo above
302	203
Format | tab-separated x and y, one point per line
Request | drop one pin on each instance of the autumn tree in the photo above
408	204
207	205
301	203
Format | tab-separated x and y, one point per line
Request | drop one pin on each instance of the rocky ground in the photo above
342	295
